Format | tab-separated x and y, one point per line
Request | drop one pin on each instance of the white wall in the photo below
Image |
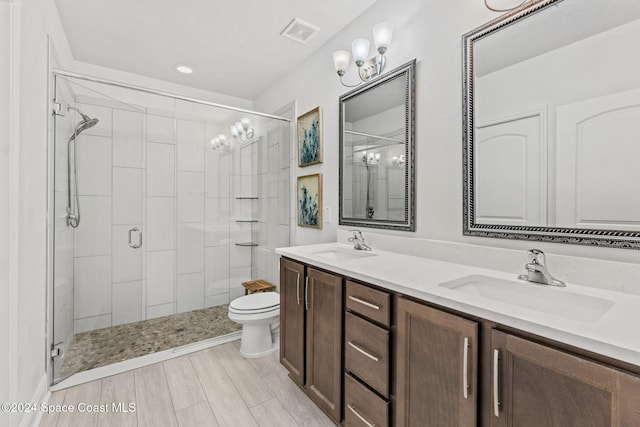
6	287
432	33
25	26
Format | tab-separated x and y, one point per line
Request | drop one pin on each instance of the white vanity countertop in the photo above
616	334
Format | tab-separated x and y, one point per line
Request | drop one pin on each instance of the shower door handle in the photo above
135	245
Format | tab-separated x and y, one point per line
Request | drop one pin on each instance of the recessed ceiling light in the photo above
184	69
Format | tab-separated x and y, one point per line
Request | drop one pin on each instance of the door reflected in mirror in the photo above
376	152
552	103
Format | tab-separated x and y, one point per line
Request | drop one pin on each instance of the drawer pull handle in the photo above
298	288
496	390
366	304
363	351
352	409
465	368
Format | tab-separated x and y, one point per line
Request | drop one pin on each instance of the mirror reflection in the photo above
554	137
375	147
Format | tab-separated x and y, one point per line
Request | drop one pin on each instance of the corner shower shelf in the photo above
246	198
246	220
246	244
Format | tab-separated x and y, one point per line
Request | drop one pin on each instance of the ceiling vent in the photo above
299	31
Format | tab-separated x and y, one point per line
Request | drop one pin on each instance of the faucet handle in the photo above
536	256
357	234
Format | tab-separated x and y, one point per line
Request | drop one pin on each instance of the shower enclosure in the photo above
163	206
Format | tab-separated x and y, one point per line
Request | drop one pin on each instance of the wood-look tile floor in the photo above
213	387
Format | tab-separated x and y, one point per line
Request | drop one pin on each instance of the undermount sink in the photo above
546	299
339	254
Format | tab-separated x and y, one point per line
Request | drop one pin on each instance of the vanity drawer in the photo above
369	302
366	352
362	406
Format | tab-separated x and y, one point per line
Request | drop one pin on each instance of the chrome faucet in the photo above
537	270
358	241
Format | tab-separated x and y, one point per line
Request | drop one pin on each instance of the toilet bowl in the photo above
259	315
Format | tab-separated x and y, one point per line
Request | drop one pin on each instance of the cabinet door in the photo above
324	340
436	367
292	318
534	385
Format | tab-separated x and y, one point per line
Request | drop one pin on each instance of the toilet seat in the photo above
262	302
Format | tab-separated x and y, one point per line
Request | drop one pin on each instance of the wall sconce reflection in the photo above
397	160
220	143
242	130
371	159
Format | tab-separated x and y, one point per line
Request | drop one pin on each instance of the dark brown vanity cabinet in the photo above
436	367
534	385
409	364
292	318
367	356
311	332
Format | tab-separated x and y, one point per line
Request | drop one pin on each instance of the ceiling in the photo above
234	46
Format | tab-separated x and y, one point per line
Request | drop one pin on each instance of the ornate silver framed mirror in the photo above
377	178
551	141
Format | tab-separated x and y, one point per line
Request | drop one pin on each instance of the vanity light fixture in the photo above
398	160
184	69
371	159
503	5
220	143
367	68
242	130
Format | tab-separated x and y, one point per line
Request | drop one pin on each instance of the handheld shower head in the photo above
84	124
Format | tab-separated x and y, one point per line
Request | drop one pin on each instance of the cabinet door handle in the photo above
465	368
363	419
366	304
363	351
306	294
298	288
496	377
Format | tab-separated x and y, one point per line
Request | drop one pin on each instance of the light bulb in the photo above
360	49
341	61
245	123
239	128
382	34
234	131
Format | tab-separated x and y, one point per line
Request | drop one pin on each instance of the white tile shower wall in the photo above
273	163
161	275
94	165
126	303
93	235
128	139
92	293
160	170
127	195
217	223
190	292
190	137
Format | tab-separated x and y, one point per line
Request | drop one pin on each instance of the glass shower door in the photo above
98	232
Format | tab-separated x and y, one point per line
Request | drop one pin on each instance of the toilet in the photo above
259	315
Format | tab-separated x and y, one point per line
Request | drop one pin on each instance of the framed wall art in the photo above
310	138
309	201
